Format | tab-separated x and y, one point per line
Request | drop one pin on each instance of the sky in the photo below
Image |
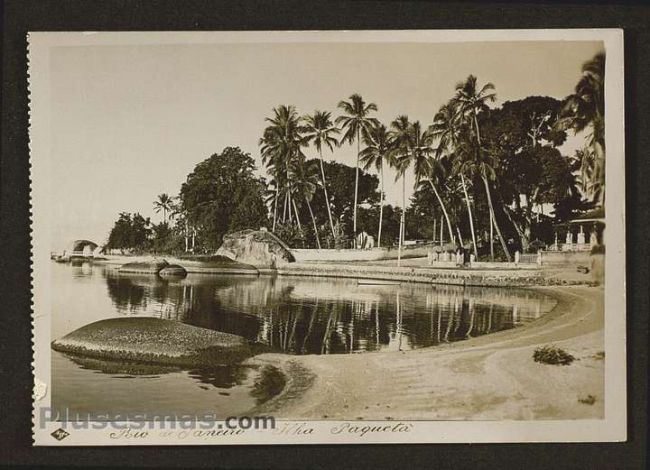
129	122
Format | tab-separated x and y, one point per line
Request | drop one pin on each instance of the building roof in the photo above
597	214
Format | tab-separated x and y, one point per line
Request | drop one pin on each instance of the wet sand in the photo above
491	377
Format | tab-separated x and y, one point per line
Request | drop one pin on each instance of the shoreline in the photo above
483	378
487	377
462	276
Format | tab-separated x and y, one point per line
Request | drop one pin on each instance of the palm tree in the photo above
175	207
305	183
399	159
320	130
413	145
445	128
426	167
354	122
281	147
271	195
377	151
585	161
471	100
586	109
163	203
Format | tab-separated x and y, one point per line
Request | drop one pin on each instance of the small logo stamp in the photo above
60	434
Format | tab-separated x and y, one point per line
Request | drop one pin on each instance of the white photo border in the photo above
610	429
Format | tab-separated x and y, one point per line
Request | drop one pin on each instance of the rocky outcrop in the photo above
214	264
173	270
144	267
152	340
258	248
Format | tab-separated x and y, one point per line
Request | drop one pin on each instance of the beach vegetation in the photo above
552	355
587	400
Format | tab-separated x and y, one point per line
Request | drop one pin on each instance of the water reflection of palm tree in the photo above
296	318
479	320
314	315
458	307
431	309
325	346
489	327
356	307
377	325
439	329
450	320
398	329
470	306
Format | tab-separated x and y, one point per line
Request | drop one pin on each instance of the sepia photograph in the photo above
328	237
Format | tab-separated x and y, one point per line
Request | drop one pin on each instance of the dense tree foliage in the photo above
341	186
583	111
222	194
130	231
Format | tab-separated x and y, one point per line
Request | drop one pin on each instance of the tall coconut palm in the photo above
427	168
586	109
375	154
305	184
471	100
401	164
475	165
584	160
281	146
399	158
445	128
271	197
354	121
163	203
320	130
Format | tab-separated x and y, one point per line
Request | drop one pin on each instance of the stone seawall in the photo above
462	277
566	258
348	255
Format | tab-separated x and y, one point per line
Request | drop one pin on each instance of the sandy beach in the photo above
492	377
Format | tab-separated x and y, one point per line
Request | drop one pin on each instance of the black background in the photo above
114	15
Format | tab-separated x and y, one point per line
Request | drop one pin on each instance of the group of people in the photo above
461	257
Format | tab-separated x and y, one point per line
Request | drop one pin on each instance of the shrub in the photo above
588	400
552	355
598	250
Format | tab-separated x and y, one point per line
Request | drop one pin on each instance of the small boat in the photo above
377	282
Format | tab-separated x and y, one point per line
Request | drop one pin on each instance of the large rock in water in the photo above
259	248
152	266
152	340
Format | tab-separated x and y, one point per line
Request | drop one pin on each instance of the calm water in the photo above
290	315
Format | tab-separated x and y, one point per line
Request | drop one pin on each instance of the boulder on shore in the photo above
144	267
258	248
173	270
152	340
215	264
